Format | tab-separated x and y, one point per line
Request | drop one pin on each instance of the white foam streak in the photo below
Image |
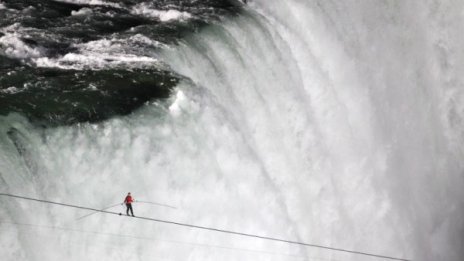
101	54
12	46
10	90
94	61
162	15
91	2
82	12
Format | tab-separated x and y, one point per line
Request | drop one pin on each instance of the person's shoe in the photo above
133	215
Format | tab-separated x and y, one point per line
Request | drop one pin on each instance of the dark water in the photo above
63	62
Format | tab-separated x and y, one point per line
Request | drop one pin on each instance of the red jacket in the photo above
128	200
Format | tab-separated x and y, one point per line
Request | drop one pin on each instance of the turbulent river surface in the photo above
333	123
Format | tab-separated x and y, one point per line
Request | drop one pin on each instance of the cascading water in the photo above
338	124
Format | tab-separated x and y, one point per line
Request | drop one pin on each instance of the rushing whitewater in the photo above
332	123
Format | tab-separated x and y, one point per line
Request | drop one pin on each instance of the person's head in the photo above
128	194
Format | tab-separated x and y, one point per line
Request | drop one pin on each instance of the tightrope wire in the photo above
214	229
112	206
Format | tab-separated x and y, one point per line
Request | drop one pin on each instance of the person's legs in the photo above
128	206
131	210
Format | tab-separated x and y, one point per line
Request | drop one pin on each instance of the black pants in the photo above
129	207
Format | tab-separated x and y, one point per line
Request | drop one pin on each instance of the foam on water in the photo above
83	11
104	53
10	90
163	15
91	2
12	46
87	61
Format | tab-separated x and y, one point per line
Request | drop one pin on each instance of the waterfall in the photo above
337	124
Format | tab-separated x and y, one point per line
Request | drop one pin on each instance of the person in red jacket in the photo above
128	201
